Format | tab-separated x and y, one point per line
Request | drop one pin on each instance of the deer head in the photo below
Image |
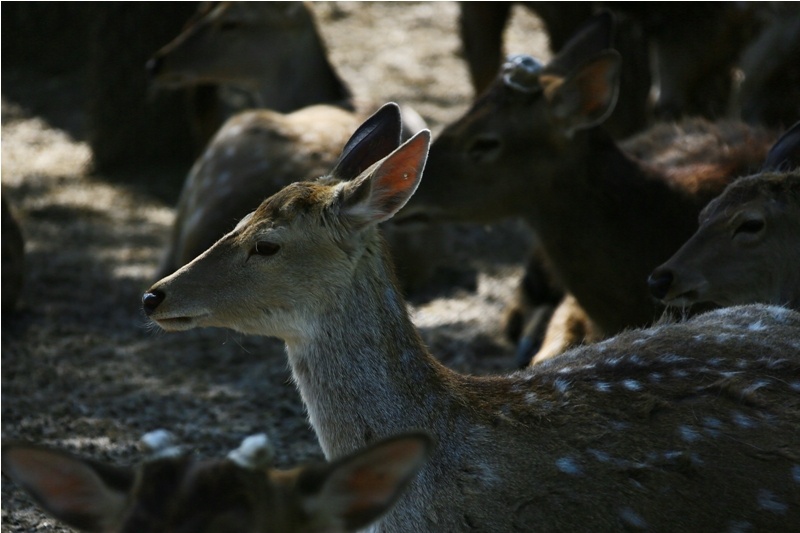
746	249
182	493
299	241
529	116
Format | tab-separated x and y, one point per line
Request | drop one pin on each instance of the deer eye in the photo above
751	226
484	149
265	248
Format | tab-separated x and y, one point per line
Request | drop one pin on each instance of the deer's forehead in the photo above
767	185
306	199
168	487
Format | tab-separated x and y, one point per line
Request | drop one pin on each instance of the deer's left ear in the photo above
380	191
71	489
373	140
587	96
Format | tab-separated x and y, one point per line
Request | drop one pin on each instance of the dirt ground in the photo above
81	367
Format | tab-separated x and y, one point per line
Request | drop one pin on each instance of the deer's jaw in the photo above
180	321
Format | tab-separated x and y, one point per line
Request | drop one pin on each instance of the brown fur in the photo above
630	433
183	493
605	213
745	250
307	113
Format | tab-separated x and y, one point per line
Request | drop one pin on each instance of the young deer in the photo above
634	432
747	248
177	492
274	50
533	146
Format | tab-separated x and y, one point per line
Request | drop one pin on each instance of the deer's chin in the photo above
180	323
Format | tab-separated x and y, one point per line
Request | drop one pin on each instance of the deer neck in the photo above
596	217
361	367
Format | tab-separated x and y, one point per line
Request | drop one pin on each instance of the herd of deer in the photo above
630	417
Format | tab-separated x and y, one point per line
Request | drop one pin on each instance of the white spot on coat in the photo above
768	501
632	518
569	466
689	434
632	385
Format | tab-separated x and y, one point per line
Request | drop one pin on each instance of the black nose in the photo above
659	283
154	66
151	300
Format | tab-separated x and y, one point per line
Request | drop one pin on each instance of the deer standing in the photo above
606	214
747	248
174	491
274	51
634	432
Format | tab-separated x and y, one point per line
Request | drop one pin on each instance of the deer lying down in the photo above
634	432
273	50
747	248
606	214
177	492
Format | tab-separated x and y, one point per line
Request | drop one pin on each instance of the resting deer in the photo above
633	432
747	248
606	214
274	50
174	491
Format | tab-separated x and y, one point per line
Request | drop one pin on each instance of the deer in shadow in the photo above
275	52
630	433
747	246
175	491
605	213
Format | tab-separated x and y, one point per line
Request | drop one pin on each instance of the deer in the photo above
605	213
309	115
176	491
679	61
746	247
631	432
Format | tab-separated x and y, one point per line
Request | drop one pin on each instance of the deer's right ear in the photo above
372	141
587	96
590	39
67	487
384	188
356	490
785	153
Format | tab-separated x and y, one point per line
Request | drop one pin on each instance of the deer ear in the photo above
593	37
785	153
587	96
373	140
384	188
358	489
69	488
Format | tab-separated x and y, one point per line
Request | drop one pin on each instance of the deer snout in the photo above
151	300
154	66
659	282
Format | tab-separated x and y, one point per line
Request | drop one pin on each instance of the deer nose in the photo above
659	282
154	66
151	300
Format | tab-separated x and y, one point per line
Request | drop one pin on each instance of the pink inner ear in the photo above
386	468
64	484
595	88
401	170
